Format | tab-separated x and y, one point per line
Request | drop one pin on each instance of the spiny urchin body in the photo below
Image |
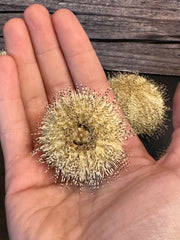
81	137
142	102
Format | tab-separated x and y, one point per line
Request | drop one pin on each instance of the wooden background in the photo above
128	35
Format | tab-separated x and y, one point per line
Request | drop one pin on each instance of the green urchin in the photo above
142	102
81	137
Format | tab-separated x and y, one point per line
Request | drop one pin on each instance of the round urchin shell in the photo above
81	137
142	102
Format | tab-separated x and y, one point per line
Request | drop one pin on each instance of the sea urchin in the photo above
142	102
81	136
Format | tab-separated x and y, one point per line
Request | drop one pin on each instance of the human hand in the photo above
47	54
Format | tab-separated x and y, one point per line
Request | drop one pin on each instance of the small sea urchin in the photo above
142	102
81	137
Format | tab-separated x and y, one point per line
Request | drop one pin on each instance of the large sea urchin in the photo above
141	100
81	137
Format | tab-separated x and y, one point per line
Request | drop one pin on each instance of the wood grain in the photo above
97	6
145	57
131	35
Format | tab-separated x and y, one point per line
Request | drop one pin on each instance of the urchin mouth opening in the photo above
83	135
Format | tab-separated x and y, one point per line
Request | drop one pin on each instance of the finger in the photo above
171	159
22	171
14	129
176	108
51	61
80	56
18	45
85	67
174	147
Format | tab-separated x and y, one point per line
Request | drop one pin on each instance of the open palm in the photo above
47	54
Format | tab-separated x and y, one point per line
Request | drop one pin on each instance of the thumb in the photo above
176	109
171	159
